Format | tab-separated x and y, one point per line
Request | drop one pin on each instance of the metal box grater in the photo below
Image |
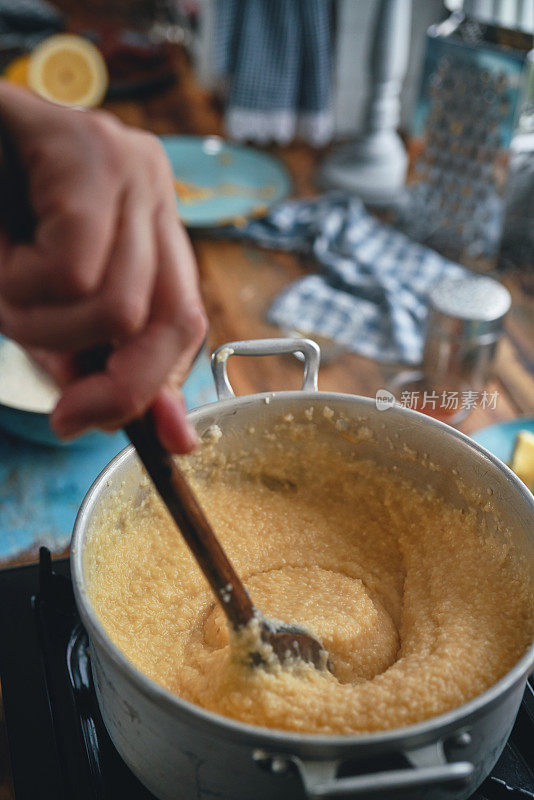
472	89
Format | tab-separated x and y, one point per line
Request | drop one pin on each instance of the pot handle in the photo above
265	347
429	767
319	786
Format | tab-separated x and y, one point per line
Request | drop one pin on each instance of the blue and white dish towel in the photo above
371	293
276	57
24	23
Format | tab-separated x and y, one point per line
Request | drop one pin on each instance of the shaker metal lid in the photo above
473	297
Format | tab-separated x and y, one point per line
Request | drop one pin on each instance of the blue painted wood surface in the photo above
41	487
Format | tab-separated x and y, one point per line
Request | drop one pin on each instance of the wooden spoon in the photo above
287	641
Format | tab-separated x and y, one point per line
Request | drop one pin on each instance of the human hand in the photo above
109	263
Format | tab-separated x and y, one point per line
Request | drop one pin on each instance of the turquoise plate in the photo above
228	181
34	426
500	438
41	487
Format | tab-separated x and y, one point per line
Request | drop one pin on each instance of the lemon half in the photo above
17	71
523	458
68	70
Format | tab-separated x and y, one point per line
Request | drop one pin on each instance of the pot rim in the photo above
255	735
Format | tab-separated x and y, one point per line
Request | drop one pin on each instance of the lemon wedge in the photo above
17	71
68	70
523	458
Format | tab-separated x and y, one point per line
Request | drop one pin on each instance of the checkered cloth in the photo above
371	294
276	56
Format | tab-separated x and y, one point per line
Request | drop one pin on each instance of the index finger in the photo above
133	378
137	369
69	254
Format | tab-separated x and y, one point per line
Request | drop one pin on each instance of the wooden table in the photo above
239	281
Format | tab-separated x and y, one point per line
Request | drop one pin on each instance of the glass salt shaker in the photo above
465	323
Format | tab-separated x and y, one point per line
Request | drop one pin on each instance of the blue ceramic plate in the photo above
219	183
41	488
500	438
34	426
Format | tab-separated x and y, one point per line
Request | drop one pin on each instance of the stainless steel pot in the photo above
179	750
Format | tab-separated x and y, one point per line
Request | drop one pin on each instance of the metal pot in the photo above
179	750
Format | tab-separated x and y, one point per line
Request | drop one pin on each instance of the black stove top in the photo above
59	746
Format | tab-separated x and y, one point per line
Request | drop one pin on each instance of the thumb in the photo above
174	431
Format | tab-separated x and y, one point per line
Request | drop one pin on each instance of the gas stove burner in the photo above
60	749
59	746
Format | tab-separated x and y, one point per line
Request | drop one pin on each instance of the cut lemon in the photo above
68	70
523	458
17	71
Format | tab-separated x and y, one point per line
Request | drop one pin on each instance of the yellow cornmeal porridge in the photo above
419	605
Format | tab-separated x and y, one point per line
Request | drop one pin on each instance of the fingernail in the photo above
192	436
65	431
65	427
189	430
174	430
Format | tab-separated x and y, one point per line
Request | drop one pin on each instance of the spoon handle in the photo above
181	504
17	218
191	520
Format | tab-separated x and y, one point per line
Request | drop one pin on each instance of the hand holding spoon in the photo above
288	642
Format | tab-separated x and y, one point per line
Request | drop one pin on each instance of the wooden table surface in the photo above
239	281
